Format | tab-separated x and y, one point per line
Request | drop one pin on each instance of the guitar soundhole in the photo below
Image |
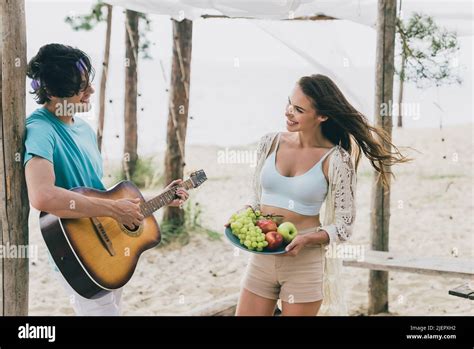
135	228
133	232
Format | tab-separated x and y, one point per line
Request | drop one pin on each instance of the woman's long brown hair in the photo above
348	127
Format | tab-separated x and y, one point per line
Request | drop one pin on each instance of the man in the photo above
62	153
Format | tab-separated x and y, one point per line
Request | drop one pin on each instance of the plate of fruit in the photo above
257	233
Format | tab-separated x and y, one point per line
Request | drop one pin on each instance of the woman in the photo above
297	171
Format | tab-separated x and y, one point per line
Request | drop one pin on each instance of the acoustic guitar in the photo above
97	255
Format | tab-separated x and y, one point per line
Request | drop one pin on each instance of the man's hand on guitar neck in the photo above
180	192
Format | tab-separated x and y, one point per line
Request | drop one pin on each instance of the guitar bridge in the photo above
100	231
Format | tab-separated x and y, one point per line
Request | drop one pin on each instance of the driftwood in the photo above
220	307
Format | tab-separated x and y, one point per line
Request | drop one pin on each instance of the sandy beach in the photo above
431	205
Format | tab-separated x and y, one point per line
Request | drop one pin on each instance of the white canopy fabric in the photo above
452	14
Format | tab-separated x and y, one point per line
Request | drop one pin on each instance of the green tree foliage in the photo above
98	14
428	53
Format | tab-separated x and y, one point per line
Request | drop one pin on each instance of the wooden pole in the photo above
103	79
380	217
400	92
178	110
130	116
14	206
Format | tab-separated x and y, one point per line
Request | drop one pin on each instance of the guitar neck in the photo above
163	199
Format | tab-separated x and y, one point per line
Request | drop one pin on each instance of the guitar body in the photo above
80	253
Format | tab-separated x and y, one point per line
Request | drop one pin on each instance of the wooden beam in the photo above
318	17
380	204
438	266
463	291
14	207
178	110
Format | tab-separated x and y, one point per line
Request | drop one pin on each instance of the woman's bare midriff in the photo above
300	221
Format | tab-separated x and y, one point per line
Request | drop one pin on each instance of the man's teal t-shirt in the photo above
72	149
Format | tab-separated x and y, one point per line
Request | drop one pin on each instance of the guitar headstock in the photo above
197	178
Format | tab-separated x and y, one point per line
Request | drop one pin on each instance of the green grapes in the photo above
243	227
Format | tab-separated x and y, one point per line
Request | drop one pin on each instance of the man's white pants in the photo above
108	305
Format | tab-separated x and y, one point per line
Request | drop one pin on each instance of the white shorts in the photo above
292	279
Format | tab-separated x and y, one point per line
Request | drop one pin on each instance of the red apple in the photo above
274	240
266	225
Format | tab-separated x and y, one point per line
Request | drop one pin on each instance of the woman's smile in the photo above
291	123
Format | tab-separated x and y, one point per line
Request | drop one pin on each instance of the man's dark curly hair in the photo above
57	71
